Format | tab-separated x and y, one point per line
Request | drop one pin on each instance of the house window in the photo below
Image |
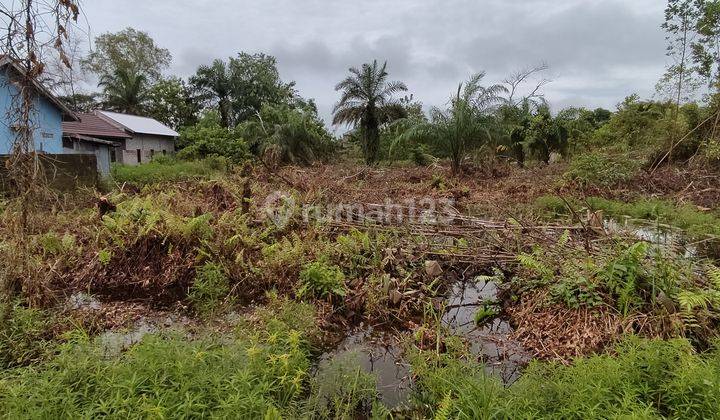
67	143
164	152
139	155
152	153
113	156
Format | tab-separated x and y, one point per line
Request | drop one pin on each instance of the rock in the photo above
432	268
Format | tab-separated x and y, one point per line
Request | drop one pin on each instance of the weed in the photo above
485	314
164	377
209	288
23	334
321	280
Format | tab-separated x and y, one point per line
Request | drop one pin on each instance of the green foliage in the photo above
321	280
685	216
167	170
24	334
463	127
646	379
129	49
210	287
599	169
124	91
285	134
648	128
161	377
241	86
53	244
622	276
485	314
209	138
366	102
170	101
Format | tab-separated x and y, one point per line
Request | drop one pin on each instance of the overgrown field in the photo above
203	290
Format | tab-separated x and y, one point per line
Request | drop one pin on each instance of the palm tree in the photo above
367	104
125	91
216	82
464	126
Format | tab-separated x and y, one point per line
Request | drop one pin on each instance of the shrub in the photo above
322	280
208	138
209	288
599	169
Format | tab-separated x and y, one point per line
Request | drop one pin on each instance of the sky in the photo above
598	51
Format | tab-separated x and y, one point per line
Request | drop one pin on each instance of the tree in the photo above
285	134
129	50
171	102
241	86
215	83
367	104
124	91
681	25
256	82
465	125
82	102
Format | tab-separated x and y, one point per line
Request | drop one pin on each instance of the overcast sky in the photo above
599	51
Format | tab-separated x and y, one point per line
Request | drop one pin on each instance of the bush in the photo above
599	169
167	170
322	280
208	138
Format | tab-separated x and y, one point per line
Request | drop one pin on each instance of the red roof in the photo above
93	126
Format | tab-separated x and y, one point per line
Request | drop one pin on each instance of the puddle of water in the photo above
491	342
115	342
662	236
82	300
378	355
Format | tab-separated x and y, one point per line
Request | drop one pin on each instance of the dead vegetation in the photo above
146	250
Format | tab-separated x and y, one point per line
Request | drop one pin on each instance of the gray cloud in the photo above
599	50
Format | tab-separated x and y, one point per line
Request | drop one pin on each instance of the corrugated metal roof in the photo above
142	125
93	126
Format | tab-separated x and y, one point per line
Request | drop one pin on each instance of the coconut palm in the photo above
216	83
367	104
125	91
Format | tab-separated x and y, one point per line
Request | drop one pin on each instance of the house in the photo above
93	135
148	137
48	113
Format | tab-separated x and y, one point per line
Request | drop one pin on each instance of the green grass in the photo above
647	379
166	170
253	374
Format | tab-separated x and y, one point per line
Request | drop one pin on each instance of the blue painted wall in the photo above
47	120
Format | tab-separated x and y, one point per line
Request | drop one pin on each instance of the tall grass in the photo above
166	170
